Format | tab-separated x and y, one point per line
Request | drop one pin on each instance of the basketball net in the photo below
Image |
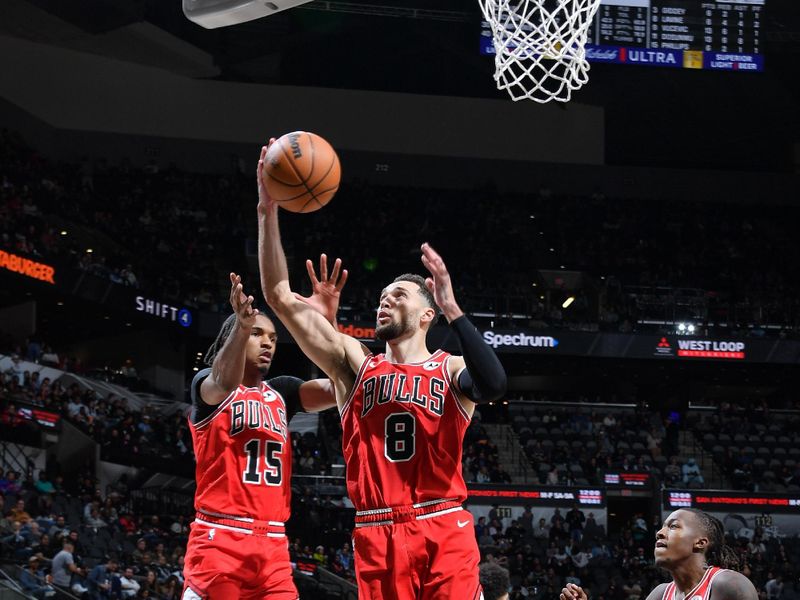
540	46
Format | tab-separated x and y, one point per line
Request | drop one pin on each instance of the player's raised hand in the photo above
326	290
573	592
265	203
439	284
242	304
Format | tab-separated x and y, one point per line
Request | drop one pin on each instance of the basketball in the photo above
301	172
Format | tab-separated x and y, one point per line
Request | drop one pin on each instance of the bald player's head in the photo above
494	581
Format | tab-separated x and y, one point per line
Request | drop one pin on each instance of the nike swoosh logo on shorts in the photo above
462	523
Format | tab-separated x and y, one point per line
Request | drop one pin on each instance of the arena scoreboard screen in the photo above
690	34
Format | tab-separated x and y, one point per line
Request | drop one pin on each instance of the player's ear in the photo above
428	314
701	544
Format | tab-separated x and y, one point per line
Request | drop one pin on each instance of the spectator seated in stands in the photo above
34	581
692	474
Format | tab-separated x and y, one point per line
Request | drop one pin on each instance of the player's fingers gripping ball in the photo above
301	172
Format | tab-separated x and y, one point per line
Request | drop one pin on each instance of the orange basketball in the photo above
301	172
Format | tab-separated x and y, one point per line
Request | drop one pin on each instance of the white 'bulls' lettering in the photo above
252	414
394	387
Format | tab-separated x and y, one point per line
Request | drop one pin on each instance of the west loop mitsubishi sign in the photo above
686	348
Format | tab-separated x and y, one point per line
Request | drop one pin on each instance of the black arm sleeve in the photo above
289	388
484	379
200	410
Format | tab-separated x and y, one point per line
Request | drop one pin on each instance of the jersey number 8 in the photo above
399	437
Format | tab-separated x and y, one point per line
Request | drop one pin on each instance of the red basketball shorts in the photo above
225	562
413	556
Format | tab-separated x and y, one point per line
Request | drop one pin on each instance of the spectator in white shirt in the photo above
130	587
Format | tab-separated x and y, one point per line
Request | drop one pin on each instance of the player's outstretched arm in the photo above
315	335
228	367
317	395
483	379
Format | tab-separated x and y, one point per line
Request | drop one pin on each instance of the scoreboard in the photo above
721	35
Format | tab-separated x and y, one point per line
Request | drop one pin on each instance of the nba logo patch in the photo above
430	365
211	534
269	396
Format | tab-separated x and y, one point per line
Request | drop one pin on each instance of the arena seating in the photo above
643	261
756	447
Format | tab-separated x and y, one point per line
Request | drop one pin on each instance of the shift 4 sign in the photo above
148	306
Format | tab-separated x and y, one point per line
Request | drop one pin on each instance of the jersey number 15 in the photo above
273	471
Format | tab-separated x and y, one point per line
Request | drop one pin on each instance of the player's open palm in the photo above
439	284
265	202
325	290
573	592
242	304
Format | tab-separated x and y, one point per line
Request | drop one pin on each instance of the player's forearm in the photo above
228	368
484	379
272	259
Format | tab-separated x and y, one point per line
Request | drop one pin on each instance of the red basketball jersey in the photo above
244	456
402	431
702	591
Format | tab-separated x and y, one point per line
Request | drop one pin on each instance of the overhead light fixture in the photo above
568	301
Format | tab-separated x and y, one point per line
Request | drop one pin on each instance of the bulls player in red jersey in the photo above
690	546
237	546
404	413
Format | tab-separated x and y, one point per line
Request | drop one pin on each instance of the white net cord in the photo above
540	46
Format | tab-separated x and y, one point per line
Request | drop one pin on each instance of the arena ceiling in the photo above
677	117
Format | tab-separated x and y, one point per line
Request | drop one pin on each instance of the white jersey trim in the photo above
236	529
452	384
356	383
439	513
229	527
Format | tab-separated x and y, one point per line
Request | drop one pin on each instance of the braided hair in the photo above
718	553
222	337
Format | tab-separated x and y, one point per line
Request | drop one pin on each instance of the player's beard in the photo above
392	330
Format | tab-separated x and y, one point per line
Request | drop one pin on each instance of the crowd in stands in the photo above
114	542
70	535
120	550
47	525
480	460
661	260
123	434
756	446
578	444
